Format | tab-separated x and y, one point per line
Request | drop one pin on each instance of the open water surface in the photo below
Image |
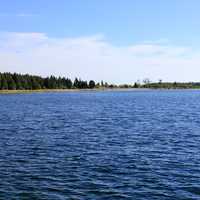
100	145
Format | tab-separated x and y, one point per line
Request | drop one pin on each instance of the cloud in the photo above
93	57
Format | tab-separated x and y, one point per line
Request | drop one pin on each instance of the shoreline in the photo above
70	90
90	90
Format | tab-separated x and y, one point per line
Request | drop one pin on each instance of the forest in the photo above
15	81
9	81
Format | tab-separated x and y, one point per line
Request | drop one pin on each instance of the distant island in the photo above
15	81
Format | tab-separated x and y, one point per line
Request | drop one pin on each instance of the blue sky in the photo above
122	21
156	26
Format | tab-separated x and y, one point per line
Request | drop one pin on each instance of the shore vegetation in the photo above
26	82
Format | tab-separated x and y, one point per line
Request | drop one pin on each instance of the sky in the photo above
117	41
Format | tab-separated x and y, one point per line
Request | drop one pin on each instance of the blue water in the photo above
100	145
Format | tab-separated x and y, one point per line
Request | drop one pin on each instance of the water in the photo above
100	145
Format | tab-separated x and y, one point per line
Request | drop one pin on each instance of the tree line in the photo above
174	85
14	81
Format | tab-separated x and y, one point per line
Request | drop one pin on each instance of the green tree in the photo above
4	84
136	85
30	82
91	84
11	84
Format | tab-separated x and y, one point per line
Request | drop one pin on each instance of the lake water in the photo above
100	145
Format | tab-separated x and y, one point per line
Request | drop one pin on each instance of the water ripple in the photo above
100	145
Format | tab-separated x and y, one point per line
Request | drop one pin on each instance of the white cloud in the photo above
95	58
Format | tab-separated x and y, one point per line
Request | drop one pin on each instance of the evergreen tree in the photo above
4	84
91	84
11	84
30	82
76	83
136	85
